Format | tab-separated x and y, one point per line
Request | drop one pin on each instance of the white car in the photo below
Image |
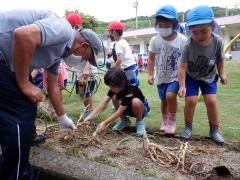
228	57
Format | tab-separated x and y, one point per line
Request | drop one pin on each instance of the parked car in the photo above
228	56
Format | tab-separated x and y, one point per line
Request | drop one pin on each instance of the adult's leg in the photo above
17	116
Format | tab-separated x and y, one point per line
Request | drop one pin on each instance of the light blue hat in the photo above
200	15
167	11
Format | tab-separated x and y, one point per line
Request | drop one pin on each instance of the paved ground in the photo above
51	165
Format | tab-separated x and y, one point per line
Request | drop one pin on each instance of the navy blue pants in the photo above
17	115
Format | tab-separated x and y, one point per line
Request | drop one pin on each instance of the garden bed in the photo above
127	151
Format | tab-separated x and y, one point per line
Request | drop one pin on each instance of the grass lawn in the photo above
228	103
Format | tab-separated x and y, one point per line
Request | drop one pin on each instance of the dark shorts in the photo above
90	88
164	88
192	86
130	113
132	73
108	65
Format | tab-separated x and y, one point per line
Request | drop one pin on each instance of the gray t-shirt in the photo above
201	60
57	35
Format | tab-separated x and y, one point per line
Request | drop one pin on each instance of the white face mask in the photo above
73	60
164	32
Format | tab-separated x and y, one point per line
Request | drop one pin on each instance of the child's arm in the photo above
150	63
86	70
34	73
181	79
100	107
221	73
118	61
102	126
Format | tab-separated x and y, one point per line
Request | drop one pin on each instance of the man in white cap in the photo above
33	39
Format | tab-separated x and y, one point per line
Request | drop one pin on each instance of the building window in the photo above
147	47
235	45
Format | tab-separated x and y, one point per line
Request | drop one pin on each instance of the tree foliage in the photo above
143	21
88	21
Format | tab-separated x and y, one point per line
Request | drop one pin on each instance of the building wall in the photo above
143	41
142	37
226	33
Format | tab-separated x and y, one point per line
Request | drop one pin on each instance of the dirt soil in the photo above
127	151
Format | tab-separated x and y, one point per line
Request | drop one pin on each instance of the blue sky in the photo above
109	10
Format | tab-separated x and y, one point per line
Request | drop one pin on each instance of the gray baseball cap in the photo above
93	39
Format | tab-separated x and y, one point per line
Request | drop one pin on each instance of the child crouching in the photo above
132	103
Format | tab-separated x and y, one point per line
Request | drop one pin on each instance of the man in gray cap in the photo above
32	39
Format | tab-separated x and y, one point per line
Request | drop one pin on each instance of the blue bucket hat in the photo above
200	15
167	11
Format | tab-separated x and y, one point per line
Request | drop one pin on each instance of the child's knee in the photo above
191	101
171	97
210	101
136	103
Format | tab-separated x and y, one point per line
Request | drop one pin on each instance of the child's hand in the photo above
182	91
85	122
151	80
86	73
223	78
101	128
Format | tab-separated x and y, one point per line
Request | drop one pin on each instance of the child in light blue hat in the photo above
200	67
165	50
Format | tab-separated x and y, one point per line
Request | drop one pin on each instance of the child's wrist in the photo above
88	118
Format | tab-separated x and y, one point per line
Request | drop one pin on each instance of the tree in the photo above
88	21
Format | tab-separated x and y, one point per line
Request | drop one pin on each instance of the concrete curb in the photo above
51	165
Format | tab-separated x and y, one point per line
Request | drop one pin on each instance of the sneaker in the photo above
214	134
140	126
38	139
113	108
121	125
186	134
164	122
163	125
170	127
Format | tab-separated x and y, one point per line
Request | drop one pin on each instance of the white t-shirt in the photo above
144	57
79	69
122	49
167	57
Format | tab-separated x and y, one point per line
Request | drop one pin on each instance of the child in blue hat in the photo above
165	50
201	65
